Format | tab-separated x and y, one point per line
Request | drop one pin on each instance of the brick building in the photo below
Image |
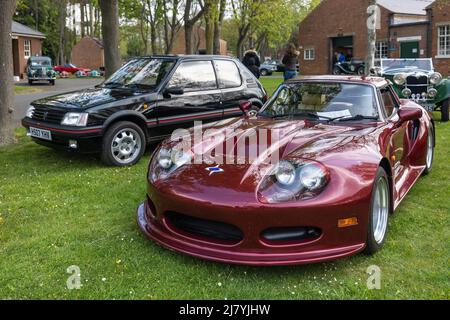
408	29
198	41
26	42
89	53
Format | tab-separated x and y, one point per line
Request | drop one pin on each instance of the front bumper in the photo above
332	244
88	139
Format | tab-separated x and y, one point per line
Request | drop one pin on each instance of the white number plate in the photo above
41	134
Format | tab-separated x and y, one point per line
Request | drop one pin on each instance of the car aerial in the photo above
312	177
268	67
70	68
351	67
40	69
415	79
144	102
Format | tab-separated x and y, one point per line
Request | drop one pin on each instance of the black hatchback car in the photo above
144	102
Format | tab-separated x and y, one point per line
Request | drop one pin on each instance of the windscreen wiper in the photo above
358	117
302	114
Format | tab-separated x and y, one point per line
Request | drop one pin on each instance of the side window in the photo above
194	76
229	76
388	101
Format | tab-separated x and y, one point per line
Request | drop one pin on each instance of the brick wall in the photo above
36	49
333	18
87	53
440	14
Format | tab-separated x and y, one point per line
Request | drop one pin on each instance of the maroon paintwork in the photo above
351	151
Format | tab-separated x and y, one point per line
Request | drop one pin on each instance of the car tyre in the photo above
379	213
430	150
123	144
52	82
336	71
30	82
361	71
264	72
445	111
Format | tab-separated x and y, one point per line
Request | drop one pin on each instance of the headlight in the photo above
407	93
30	112
313	177
166	161
75	119
285	173
400	79
436	78
293	181
432	93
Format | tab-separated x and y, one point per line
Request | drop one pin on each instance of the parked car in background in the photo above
143	102
352	66
40	68
415	79
70	68
348	151
268	68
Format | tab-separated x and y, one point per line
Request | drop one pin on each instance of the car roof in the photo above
376	81
185	57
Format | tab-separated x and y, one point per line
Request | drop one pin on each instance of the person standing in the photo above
290	60
252	62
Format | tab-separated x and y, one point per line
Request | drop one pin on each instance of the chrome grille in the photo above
418	85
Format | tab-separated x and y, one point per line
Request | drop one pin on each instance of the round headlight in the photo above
436	78
407	92
165	159
313	176
432	93
180	157
400	79
285	173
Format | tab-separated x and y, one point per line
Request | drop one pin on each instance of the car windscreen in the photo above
145	73
328	101
40	62
391	65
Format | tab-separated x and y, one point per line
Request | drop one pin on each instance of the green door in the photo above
409	50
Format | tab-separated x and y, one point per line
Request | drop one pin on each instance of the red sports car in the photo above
70	68
312	177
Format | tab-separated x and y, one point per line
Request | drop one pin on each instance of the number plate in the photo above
41	134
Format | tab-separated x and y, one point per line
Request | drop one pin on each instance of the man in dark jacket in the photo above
252	62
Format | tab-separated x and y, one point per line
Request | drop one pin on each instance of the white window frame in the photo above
379	50
309	54
27	48
443	31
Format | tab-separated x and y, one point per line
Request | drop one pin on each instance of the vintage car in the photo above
40	69
143	102
312	177
416	79
351	67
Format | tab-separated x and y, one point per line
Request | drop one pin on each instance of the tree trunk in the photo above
110	30
6	72
62	10
82	21
371	36
189	24
218	27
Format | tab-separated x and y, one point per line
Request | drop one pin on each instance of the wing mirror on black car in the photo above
176	91
409	114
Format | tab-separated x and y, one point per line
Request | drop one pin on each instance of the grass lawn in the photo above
26	89
58	210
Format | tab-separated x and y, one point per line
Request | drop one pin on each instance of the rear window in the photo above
228	72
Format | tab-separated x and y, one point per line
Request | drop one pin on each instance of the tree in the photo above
372	11
190	19
62	8
110	30
6	71
218	26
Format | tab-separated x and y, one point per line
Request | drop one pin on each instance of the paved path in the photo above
22	101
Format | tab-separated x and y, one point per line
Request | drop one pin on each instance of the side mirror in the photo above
409	114
177	91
